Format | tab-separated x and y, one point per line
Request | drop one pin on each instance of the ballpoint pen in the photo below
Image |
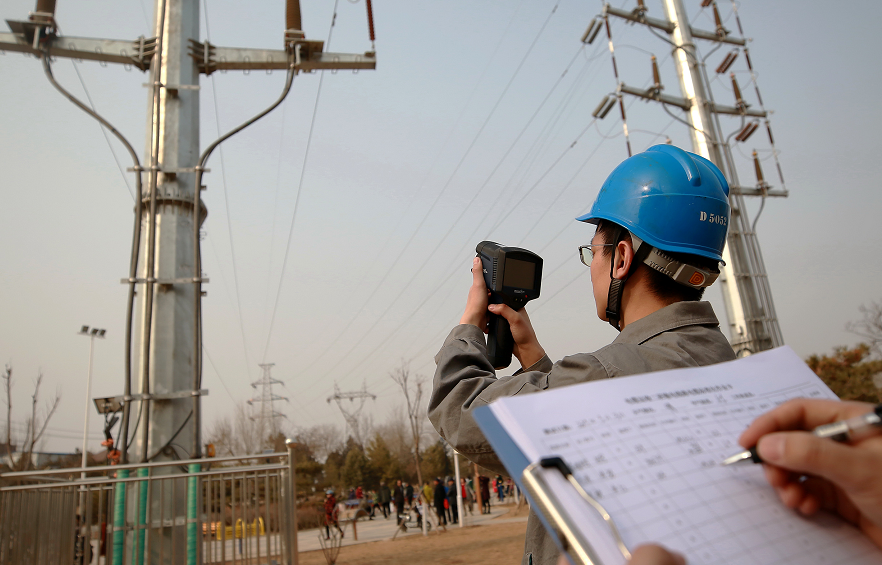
841	431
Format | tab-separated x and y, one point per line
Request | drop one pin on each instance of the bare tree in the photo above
412	387
237	435
36	423
321	439
870	326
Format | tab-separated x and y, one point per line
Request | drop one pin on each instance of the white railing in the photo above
220	510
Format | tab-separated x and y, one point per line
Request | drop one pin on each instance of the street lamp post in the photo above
92	334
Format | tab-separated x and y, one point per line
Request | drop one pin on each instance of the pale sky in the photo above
447	143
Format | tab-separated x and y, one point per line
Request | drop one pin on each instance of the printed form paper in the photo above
649	447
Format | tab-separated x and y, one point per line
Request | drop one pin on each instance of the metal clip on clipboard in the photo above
571	535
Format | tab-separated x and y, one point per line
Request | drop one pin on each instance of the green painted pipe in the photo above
119	518
192	514
142	517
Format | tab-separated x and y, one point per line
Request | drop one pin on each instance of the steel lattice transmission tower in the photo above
267	415
351	415
753	323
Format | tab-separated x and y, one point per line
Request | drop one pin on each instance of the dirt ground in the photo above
498	543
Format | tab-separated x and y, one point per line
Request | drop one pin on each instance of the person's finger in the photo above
801	414
478	272
652	554
844	465
776	476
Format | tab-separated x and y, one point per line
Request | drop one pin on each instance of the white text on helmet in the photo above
713	218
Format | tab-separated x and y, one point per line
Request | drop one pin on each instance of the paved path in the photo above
380	529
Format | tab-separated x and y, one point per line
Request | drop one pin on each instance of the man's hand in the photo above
526	347
843	478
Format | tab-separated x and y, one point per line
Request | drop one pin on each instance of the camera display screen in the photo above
519	274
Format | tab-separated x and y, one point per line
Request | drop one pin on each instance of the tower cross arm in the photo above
637	16
210	58
732	110
138	52
652	95
685	104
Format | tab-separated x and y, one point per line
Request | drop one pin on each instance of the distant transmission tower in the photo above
266	416
351	416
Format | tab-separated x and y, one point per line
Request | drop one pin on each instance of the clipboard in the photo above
572	537
648	448
570	530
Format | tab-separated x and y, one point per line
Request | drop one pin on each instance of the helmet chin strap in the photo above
617	286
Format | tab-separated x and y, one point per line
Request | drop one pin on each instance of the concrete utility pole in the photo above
753	323
165	265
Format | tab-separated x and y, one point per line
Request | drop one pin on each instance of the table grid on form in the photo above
656	470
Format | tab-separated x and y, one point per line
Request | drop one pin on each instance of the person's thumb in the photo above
844	465
651	554
506	312
477	271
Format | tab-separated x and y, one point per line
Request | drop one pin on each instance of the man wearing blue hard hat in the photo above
661	220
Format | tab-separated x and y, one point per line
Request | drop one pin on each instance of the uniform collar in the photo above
671	317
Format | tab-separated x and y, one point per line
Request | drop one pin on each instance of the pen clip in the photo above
570	535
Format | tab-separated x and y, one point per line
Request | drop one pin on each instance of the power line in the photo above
590	59
216	372
452	272
431	294
318	93
227	205
104	131
422	184
447	184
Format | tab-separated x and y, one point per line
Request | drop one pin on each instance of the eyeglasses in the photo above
586	252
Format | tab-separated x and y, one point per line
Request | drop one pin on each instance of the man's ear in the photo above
623	259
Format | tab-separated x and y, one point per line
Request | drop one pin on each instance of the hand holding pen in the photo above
844	478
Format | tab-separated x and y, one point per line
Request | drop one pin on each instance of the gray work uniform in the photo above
683	334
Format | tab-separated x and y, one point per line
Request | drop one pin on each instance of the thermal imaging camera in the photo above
513	276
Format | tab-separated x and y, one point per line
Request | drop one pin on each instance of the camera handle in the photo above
500	342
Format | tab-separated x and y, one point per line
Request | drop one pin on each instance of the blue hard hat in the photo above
673	200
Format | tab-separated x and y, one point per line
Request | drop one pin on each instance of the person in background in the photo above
331	514
428	492
485	493
371	502
408	495
440	497
398	496
385	497
468	496
451	501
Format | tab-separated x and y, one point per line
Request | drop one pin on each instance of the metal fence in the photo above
221	510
